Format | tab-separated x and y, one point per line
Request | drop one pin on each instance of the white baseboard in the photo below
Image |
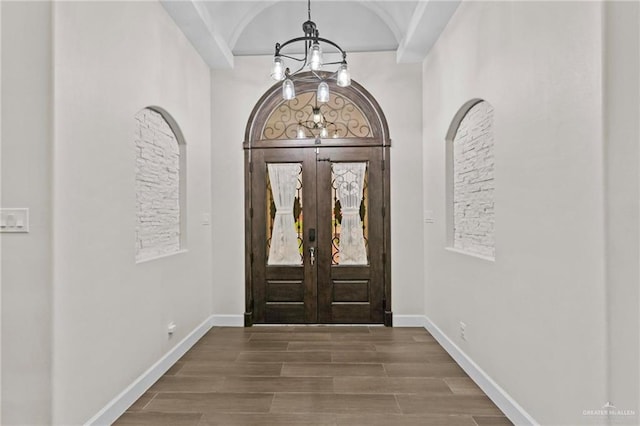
118	405
409	320
499	396
227	320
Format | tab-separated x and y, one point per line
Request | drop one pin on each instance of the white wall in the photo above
26	179
0	204
535	318
621	152
110	314
398	90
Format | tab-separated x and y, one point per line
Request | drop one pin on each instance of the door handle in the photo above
312	255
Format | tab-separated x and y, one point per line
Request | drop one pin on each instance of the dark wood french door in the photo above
317	252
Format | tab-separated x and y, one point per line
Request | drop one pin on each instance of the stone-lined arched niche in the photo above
159	184
471	181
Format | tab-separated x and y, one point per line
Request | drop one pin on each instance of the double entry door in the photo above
317	233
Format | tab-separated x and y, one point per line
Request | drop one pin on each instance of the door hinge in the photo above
251	212
382	162
383	211
250	166
251	258
384	258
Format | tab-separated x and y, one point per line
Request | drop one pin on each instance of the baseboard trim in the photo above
118	405
227	320
499	396
408	320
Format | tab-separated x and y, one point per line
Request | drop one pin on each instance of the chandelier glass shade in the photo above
317	126
313	59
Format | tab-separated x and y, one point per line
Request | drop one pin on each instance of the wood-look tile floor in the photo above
317	375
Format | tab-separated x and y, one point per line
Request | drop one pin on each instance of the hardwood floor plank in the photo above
215	368
331	369
175	368
158	419
445	369
348	330
403	420
269	419
222	402
330	346
291	337
205	355
424	338
142	401
333	403
399	330
380	357
229	336
268	357
492	421
449	404
463	386
181	383
375	338
429	347
278	384
266	329
390	385
241	346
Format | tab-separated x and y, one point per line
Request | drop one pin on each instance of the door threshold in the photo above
318	325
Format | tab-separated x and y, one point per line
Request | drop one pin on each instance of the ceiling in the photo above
222	29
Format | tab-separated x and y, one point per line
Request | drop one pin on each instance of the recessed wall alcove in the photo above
160	186
471	181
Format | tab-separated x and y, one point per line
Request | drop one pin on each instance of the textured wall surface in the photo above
157	186
473	182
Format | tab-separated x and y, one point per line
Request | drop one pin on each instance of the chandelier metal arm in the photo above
310	39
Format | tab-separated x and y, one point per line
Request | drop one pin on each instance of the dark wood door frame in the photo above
254	140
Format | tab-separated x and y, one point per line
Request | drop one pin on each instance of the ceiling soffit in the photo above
222	29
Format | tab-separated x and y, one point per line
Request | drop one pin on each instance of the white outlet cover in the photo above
14	220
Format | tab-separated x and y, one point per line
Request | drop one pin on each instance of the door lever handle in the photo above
312	255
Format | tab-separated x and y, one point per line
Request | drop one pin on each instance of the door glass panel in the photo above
349	221
284	214
302	117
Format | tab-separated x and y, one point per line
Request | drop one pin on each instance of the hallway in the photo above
467	168
315	376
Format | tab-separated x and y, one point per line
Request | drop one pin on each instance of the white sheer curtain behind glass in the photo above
349	183
284	240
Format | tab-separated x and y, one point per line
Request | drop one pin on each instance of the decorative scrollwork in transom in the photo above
345	119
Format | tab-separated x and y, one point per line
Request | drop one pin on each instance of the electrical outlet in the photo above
463	331
171	328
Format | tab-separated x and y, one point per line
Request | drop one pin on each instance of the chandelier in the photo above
317	125
313	59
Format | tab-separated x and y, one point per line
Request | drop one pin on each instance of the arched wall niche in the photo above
160	184
305	83
470	180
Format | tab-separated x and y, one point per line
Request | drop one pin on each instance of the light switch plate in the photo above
14	220
428	216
